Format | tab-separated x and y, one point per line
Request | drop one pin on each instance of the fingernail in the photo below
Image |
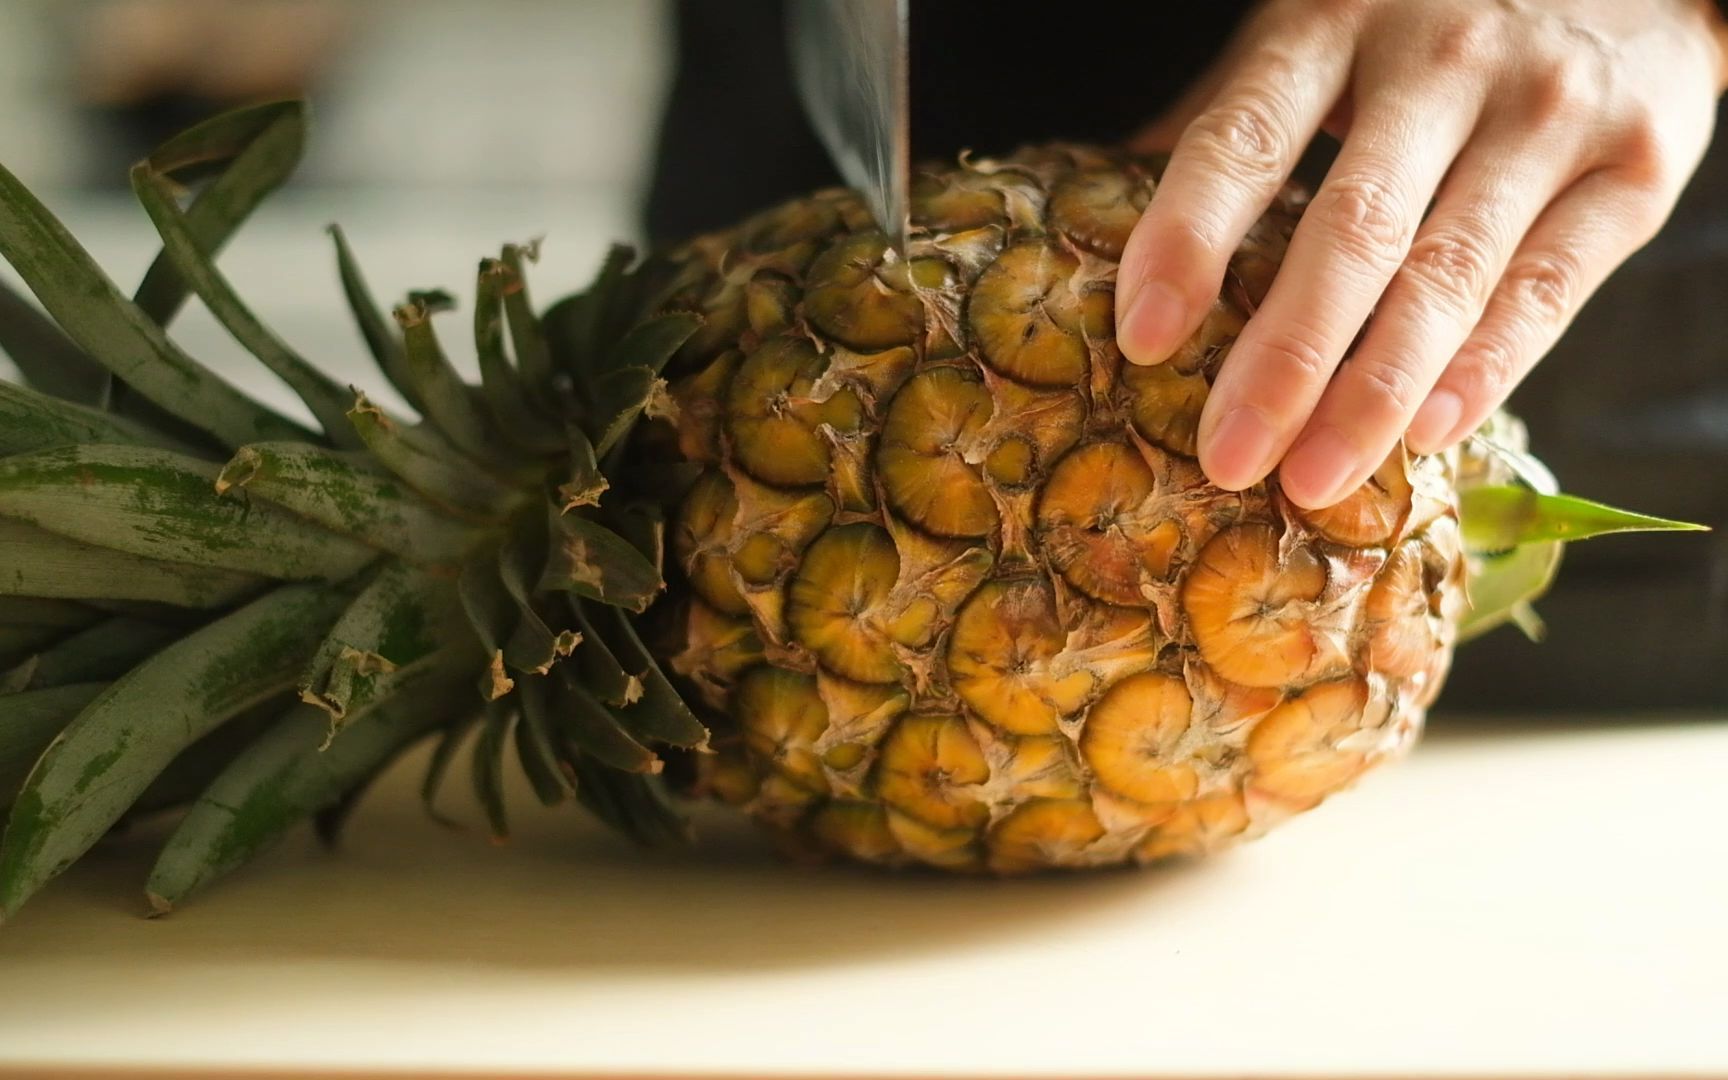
1238	452
1434	422
1318	472
1151	327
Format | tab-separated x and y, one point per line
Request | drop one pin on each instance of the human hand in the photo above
1552	138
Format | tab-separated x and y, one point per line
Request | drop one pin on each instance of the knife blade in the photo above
849	64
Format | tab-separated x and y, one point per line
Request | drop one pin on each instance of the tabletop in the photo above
1512	898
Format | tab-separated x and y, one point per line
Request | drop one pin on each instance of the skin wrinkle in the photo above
1569	127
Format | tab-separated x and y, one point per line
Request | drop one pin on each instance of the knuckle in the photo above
1386	386
1562	89
1248	136
1296	352
1451	265
1365	216
1463	40
1543	287
1485	368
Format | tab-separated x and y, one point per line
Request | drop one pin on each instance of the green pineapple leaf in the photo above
486	766
159	505
31	421
1495	518
36	562
28	723
536	746
324	397
102	652
109	754
49	360
506	395
594	729
252	151
119	334
351	496
288	774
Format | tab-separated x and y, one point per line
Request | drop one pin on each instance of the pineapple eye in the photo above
1027	318
933	423
1098	209
1131	740
1097	526
860	299
774	417
1298	751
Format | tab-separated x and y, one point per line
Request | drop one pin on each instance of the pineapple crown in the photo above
204	602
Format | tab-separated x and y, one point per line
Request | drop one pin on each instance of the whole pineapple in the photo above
960	594
947	586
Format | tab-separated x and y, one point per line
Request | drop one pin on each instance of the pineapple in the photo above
891	550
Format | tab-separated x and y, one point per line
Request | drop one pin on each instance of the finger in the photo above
1487	204
1228	165
1575	244
1352	238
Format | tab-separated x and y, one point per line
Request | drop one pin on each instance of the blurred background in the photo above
445	127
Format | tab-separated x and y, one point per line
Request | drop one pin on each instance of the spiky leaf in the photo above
109	754
160	505
288	774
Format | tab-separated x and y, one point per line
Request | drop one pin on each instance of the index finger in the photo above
1225	171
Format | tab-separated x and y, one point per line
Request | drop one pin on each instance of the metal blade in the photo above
849	59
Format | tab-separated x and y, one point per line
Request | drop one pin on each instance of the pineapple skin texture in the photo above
952	589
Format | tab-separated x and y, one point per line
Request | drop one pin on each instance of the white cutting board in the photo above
1526	900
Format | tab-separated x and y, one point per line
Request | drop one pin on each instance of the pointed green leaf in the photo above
492	615
285	776
1497	518
532	646
35	562
403	616
442	477
443	755
110	753
260	146
653	342
160	505
586	483
381	337
512	408
327	399
449	403
593	728
599	668
526	334
536	747
186	777
50	361
1502	584
117	333
487	767
350	495
28	723
31	421
634	804
620	397
101	653
591	560
660	715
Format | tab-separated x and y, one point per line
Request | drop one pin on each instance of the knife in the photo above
849	63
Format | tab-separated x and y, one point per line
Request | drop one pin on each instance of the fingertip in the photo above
1431	431
1321	470
1153	324
1236	452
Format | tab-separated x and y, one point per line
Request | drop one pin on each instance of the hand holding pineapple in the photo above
1552	138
